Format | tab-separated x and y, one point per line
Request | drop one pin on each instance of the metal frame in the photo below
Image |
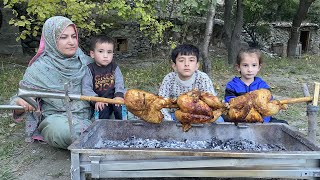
149	163
99	167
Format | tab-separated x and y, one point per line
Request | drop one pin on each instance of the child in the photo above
186	76
248	64
103	77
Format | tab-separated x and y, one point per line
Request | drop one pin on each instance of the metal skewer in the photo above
11	107
41	94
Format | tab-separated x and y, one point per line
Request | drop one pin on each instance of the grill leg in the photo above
82	176
75	168
312	113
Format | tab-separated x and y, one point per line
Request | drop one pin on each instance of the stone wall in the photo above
8	34
315	42
279	36
130	42
136	42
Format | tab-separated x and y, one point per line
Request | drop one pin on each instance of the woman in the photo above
58	61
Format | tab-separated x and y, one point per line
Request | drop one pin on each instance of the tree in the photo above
296	23
91	16
232	31
257	14
206	67
0	18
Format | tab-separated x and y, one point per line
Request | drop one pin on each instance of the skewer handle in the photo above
313	99
316	94
101	99
296	100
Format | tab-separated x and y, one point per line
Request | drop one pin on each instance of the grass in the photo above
10	75
6	174
285	77
145	75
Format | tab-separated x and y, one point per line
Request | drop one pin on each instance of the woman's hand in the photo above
26	106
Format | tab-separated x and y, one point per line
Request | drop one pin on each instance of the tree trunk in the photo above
0	18
296	23
206	67
227	28
233	44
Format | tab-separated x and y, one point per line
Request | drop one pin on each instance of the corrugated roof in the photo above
288	24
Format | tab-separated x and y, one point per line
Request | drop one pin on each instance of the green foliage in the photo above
314	12
192	7
183	9
85	13
172	43
269	11
183	14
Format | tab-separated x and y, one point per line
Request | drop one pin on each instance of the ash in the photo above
212	144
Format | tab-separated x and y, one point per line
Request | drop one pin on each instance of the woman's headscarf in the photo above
50	69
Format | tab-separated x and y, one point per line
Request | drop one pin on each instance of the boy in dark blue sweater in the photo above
103	77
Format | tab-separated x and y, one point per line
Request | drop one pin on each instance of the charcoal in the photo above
212	144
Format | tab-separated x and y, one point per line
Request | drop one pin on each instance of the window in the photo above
121	44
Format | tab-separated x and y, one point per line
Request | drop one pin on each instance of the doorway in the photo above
304	40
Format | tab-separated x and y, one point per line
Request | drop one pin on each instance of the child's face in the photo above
249	66
102	54
185	66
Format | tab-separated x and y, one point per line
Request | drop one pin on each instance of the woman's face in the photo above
67	43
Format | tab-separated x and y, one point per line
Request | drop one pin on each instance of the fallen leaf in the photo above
12	125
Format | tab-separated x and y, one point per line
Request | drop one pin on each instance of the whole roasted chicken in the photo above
198	107
253	106
146	105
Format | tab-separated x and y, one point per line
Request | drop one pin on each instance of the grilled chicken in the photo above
197	107
146	105
253	106
201	107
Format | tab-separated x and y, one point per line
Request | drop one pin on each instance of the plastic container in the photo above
124	112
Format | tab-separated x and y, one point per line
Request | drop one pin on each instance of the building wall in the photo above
8	34
315	42
279	36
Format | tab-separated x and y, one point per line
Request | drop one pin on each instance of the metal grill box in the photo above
299	161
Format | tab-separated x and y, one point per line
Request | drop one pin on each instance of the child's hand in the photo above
99	106
227	105
118	98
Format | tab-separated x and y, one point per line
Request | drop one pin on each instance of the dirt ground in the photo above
39	161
